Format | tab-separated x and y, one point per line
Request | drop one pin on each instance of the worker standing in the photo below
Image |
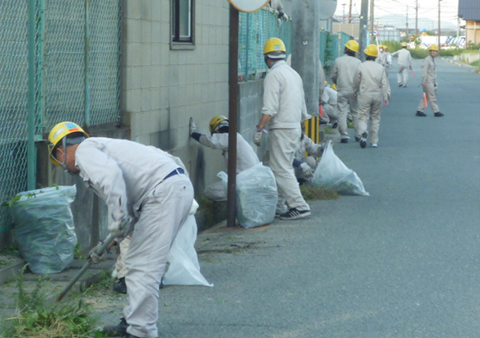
218	139
429	83
404	65
143	187
343	71
283	111
388	59
372	90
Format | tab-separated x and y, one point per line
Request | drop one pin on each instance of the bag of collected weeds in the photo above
332	173
44	229
256	195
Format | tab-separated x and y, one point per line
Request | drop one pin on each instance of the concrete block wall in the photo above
162	87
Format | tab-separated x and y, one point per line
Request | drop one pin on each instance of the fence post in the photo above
31	151
87	64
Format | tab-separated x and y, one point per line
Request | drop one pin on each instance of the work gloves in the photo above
94	257
192	127
120	228
307	171
258	136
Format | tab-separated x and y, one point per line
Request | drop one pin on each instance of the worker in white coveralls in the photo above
404	64
388	58
372	91
429	83
283	110
305	162
344	69
218	139
143	187
329	105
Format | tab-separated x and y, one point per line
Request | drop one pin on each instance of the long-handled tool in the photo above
99	252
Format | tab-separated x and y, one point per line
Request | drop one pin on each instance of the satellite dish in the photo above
327	8
248	6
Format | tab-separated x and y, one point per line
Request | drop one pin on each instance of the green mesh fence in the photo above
76	76
254	30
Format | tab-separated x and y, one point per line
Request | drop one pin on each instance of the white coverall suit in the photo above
313	149
371	88
284	100
246	158
404	65
329	99
343	72
144	182
429	77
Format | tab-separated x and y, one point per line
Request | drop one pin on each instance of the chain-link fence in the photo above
256	28
63	65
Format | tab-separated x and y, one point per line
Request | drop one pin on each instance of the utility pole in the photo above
306	49
406	24
350	12
363	28
439	26
343	20
371	21
416	17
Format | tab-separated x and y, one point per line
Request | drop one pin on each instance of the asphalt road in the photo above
403	262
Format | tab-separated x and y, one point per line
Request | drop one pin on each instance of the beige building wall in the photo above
162	87
472	31
347	28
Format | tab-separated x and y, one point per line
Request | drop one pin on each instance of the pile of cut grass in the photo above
310	193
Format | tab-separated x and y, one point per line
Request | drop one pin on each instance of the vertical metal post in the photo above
363	28
247	47
87	64
31	150
232	117
439	33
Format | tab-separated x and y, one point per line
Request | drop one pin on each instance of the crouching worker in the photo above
304	164
145	189
218	139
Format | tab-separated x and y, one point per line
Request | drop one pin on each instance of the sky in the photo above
426	8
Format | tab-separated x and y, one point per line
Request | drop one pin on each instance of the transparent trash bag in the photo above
256	195
332	173
184	268
44	229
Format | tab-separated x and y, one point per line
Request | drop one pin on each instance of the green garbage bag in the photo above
44	229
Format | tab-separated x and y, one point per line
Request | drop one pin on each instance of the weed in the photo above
36	318
317	193
328	130
349	124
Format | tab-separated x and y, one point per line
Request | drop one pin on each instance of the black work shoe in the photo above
363	141
120	286
400	85
438	114
119	330
294	213
404	86
357	138
335	125
420	113
344	140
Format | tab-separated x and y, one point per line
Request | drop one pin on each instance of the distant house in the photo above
469	10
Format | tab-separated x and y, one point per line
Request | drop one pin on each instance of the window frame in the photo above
177	42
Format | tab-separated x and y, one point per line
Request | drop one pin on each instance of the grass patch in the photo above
310	193
475	64
349	124
328	130
36	318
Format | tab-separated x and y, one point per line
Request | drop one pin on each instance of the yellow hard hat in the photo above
433	47
352	45
58	132
333	86
404	44
217	122
371	50
275	48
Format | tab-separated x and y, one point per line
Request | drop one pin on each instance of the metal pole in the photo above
363	28
87	65
439	27
371	20
416	17
31	150
232	117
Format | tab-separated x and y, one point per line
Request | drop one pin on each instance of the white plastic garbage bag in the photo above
44	229
256	195
332	173
184	268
